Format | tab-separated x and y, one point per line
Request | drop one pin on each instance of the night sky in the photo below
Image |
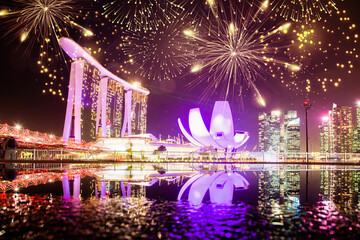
25	102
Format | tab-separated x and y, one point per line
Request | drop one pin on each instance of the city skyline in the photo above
25	103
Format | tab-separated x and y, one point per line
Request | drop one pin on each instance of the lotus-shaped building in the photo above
221	186
221	134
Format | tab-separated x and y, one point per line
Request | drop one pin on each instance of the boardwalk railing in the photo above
72	156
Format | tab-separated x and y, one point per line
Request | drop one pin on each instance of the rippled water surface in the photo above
277	206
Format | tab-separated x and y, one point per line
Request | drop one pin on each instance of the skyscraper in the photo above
114	107
263	132
275	136
337	131
292	131
342	129
139	110
325	135
82	101
356	139
274	131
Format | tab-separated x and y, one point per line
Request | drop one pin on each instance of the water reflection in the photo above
273	206
219	185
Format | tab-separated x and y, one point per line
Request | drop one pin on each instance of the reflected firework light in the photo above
237	47
142	15
327	52
159	54
303	10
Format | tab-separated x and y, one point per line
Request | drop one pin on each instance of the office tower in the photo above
342	129
274	131
263	132
279	137
356	139
325	135
282	138
292	131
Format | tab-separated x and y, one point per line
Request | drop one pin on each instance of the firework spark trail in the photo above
142	15
39	24
302	10
37	21
159	55
233	52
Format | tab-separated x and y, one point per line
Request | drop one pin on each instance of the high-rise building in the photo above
292	131
263	132
356	139
337	131
83	99
325	135
274	131
100	104
275	136
138	110
114	107
342	129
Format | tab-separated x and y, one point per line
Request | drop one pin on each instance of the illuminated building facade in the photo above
292	131
275	136
325	135
342	128
138	111
356	140
100	104
274	131
114	107
263	132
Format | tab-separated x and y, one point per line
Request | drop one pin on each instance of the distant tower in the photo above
292	131
325	135
263	132
356	140
342	129
275	136
274	131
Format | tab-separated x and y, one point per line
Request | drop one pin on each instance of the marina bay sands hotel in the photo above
99	103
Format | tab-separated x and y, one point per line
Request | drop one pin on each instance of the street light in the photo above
307	105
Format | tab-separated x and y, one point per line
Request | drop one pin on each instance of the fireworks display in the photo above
38	21
235	49
302	10
223	46
142	15
327	52
158	55
39	24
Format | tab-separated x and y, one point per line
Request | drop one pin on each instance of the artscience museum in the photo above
221	135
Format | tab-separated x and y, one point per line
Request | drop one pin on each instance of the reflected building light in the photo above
220	185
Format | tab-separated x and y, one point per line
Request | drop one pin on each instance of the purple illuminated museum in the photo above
221	134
